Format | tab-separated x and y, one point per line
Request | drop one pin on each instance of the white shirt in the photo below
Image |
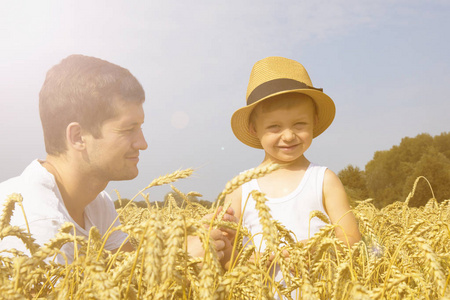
292	211
45	211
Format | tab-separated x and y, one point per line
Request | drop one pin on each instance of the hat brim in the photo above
326	111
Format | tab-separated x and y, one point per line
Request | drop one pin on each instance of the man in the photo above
91	112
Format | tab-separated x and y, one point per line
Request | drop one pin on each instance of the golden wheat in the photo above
403	254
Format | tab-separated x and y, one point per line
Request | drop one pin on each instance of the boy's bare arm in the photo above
338	209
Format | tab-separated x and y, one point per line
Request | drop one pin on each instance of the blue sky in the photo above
384	63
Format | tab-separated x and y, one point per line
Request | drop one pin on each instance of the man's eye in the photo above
134	129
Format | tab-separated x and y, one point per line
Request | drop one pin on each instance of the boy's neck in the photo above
301	163
285	180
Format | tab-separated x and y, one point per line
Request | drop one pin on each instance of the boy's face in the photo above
285	133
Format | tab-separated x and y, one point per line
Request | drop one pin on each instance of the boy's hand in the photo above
219	242
284	253
223	242
229	217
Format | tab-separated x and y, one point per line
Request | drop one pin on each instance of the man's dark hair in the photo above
86	90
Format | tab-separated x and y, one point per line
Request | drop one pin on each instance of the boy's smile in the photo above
285	132
288	148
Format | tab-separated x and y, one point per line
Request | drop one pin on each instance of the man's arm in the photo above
127	247
235	198
222	239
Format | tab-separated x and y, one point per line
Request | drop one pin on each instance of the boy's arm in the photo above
338	209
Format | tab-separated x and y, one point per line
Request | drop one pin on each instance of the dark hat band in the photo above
275	86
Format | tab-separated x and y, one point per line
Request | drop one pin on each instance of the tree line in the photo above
177	199
391	174
388	177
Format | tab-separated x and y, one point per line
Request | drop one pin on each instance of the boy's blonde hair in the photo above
277	102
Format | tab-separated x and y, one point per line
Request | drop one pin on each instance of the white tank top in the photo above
292	210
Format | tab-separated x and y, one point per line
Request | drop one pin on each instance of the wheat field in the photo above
403	254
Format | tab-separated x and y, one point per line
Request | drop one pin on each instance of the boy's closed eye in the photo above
273	127
300	124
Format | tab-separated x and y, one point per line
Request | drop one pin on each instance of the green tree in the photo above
390	174
442	143
435	167
354	181
121	203
181	202
379	173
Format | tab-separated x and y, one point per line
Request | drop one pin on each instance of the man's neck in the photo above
77	188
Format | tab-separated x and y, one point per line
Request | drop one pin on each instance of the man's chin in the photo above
124	177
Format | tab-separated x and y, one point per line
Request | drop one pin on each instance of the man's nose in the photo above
141	143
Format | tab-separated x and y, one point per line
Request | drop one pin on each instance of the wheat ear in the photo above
239	180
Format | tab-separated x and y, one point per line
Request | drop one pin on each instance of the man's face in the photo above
115	155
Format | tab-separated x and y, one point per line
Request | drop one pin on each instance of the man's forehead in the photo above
128	112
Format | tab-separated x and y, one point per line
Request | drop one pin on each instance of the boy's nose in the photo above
288	135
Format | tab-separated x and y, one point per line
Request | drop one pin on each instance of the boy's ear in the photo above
251	128
316	119
74	136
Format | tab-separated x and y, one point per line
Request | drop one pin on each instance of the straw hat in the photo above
274	76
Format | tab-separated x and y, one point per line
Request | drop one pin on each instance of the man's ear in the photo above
316	119
74	136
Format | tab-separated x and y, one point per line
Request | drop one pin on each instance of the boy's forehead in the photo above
285	101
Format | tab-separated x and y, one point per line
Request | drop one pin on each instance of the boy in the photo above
284	113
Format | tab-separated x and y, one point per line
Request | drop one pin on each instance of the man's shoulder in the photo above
103	199
12	185
32	183
101	210
32	170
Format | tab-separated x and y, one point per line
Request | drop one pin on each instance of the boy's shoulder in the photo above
247	171
311	168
